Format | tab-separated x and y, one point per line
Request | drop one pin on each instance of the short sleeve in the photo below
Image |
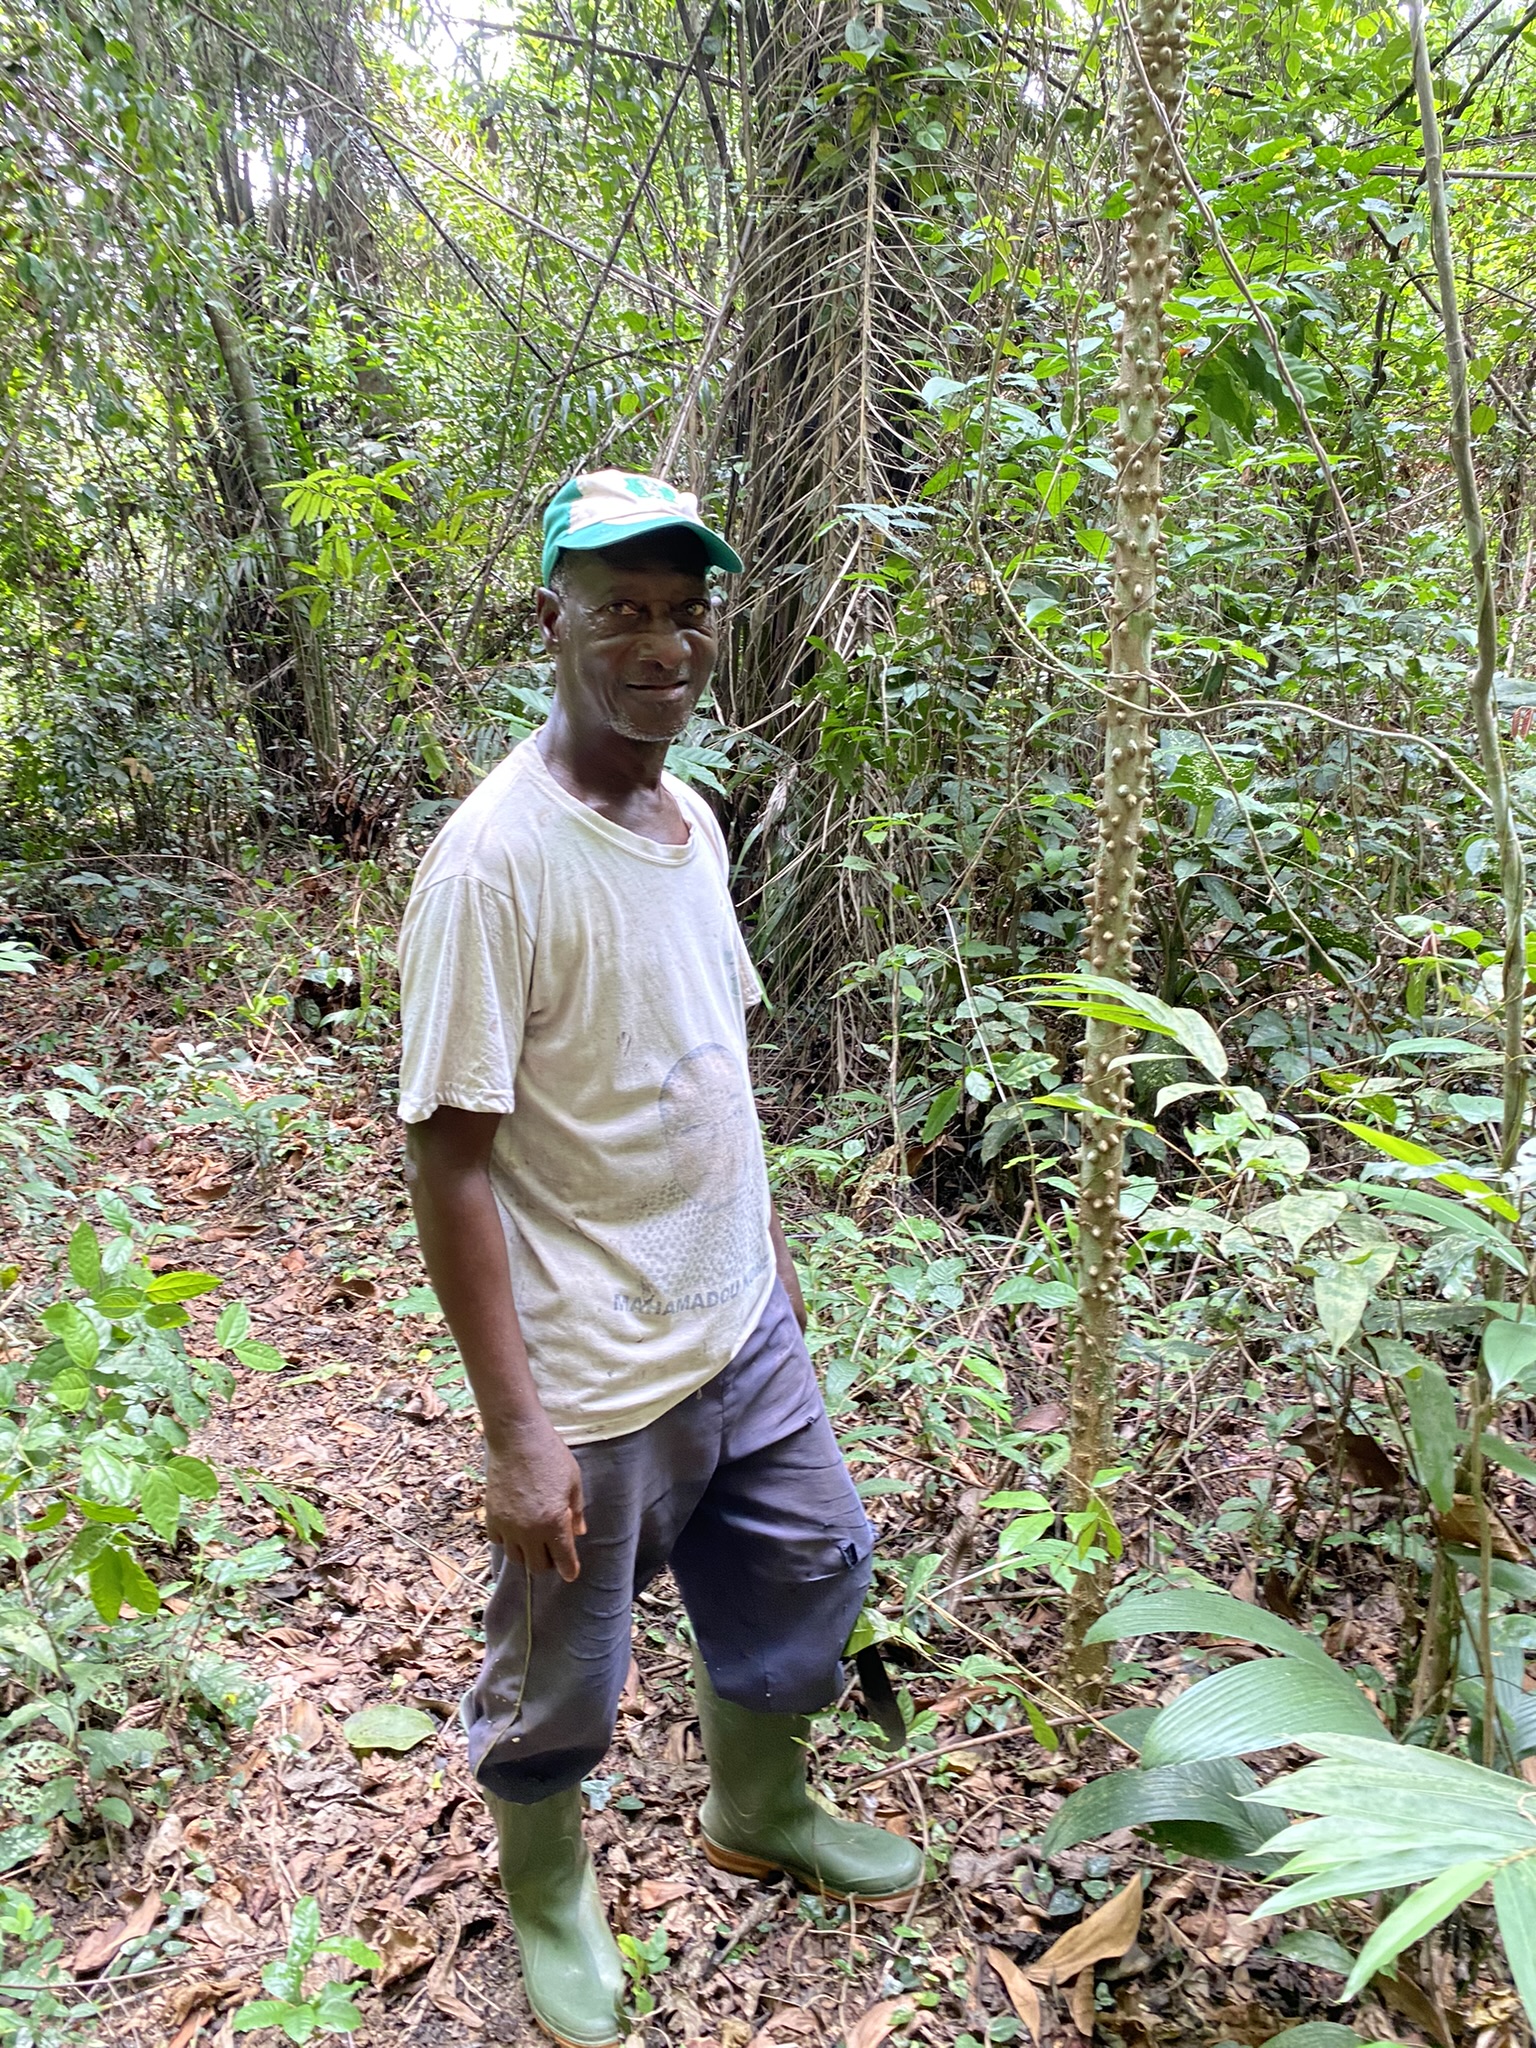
466	954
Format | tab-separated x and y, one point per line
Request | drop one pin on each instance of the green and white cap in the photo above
607	506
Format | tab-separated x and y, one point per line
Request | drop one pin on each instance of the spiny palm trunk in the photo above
1158	62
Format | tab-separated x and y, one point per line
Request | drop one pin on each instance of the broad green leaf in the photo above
166	1287
259	1357
160	1503
1311	1945
355	1951
304	1931
21	1636
388	1727
70	1389
1210	1792
1298	1218
118	1302
1024	1287
20	1845
119	1749
104	1476
234	1325
139	1589
334	2009
1406	1149
85	1258
1449	1174
1259	1706
296	2021
1419	1048
1498	1452
943	1107
105	1580
1509	1352
1342	1291
1147	1013
1353	1879
1198	1610
193	1478
1436	1439
75	1331
1424	1909
1514	1899
1452	1216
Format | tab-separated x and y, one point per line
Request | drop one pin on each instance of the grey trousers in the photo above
742	1489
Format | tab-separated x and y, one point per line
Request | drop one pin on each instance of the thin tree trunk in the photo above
256	444
1158	61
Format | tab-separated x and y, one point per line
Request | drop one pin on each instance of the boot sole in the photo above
564	2040
740	1865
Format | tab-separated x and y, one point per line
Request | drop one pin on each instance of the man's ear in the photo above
546	605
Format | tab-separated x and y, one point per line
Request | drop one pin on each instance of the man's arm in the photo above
533	1499
786	1265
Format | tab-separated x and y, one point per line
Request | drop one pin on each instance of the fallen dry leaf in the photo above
444	1873
1042	1420
660	1891
98	1949
446	1573
403	1938
1105	1933
165	1843
1461	1527
872	2027
185	1999
790	2019
305	1725
1022	1995
1080	2004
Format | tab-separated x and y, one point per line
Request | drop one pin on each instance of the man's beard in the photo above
631	729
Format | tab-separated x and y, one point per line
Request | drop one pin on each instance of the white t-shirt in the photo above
590	985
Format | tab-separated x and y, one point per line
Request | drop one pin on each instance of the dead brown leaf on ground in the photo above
98	1949
1105	1933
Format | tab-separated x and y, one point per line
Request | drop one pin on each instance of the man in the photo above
587	1173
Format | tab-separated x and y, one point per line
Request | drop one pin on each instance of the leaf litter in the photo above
369	1422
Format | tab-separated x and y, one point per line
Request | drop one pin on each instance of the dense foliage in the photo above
304	313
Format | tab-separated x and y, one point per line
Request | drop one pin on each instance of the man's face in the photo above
634	641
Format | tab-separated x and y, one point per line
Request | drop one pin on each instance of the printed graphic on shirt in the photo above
703	1244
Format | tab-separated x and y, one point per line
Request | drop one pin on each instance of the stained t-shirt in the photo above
590	986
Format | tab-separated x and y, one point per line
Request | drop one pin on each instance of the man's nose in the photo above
664	645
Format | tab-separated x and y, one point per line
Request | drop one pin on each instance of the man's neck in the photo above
600	764
618	778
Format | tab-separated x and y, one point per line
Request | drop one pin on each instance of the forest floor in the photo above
369	1422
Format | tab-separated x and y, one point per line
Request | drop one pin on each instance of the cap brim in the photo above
609	533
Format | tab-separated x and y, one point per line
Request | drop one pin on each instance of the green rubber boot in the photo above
759	1817
572	1971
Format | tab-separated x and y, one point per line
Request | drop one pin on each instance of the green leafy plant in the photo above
330	2008
39	2004
1386	1815
642	1961
102	1493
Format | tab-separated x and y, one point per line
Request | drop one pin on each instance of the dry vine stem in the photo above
1157	71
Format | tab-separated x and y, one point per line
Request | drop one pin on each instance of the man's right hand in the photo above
533	1499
